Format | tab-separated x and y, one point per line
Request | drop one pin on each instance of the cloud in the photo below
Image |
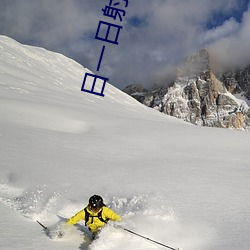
233	49
156	35
228	28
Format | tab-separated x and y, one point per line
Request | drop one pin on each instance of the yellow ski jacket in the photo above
94	223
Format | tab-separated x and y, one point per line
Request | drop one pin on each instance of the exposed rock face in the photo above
237	81
134	88
199	97
137	91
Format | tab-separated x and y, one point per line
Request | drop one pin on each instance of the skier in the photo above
95	214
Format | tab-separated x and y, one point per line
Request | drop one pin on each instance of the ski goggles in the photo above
94	208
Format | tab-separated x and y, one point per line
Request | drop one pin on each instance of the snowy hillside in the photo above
179	184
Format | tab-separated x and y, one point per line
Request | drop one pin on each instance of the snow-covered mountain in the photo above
201	96
182	185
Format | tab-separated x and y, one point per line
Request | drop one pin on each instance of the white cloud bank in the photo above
156	35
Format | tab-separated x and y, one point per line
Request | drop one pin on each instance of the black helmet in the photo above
96	202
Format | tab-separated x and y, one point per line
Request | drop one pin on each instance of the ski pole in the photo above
45	228
146	238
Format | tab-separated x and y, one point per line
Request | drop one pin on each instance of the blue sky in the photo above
218	17
156	36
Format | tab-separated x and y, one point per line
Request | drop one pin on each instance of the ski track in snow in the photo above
44	117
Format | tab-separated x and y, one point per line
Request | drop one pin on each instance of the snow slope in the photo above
179	184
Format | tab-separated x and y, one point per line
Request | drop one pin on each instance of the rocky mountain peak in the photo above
197	64
202	97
